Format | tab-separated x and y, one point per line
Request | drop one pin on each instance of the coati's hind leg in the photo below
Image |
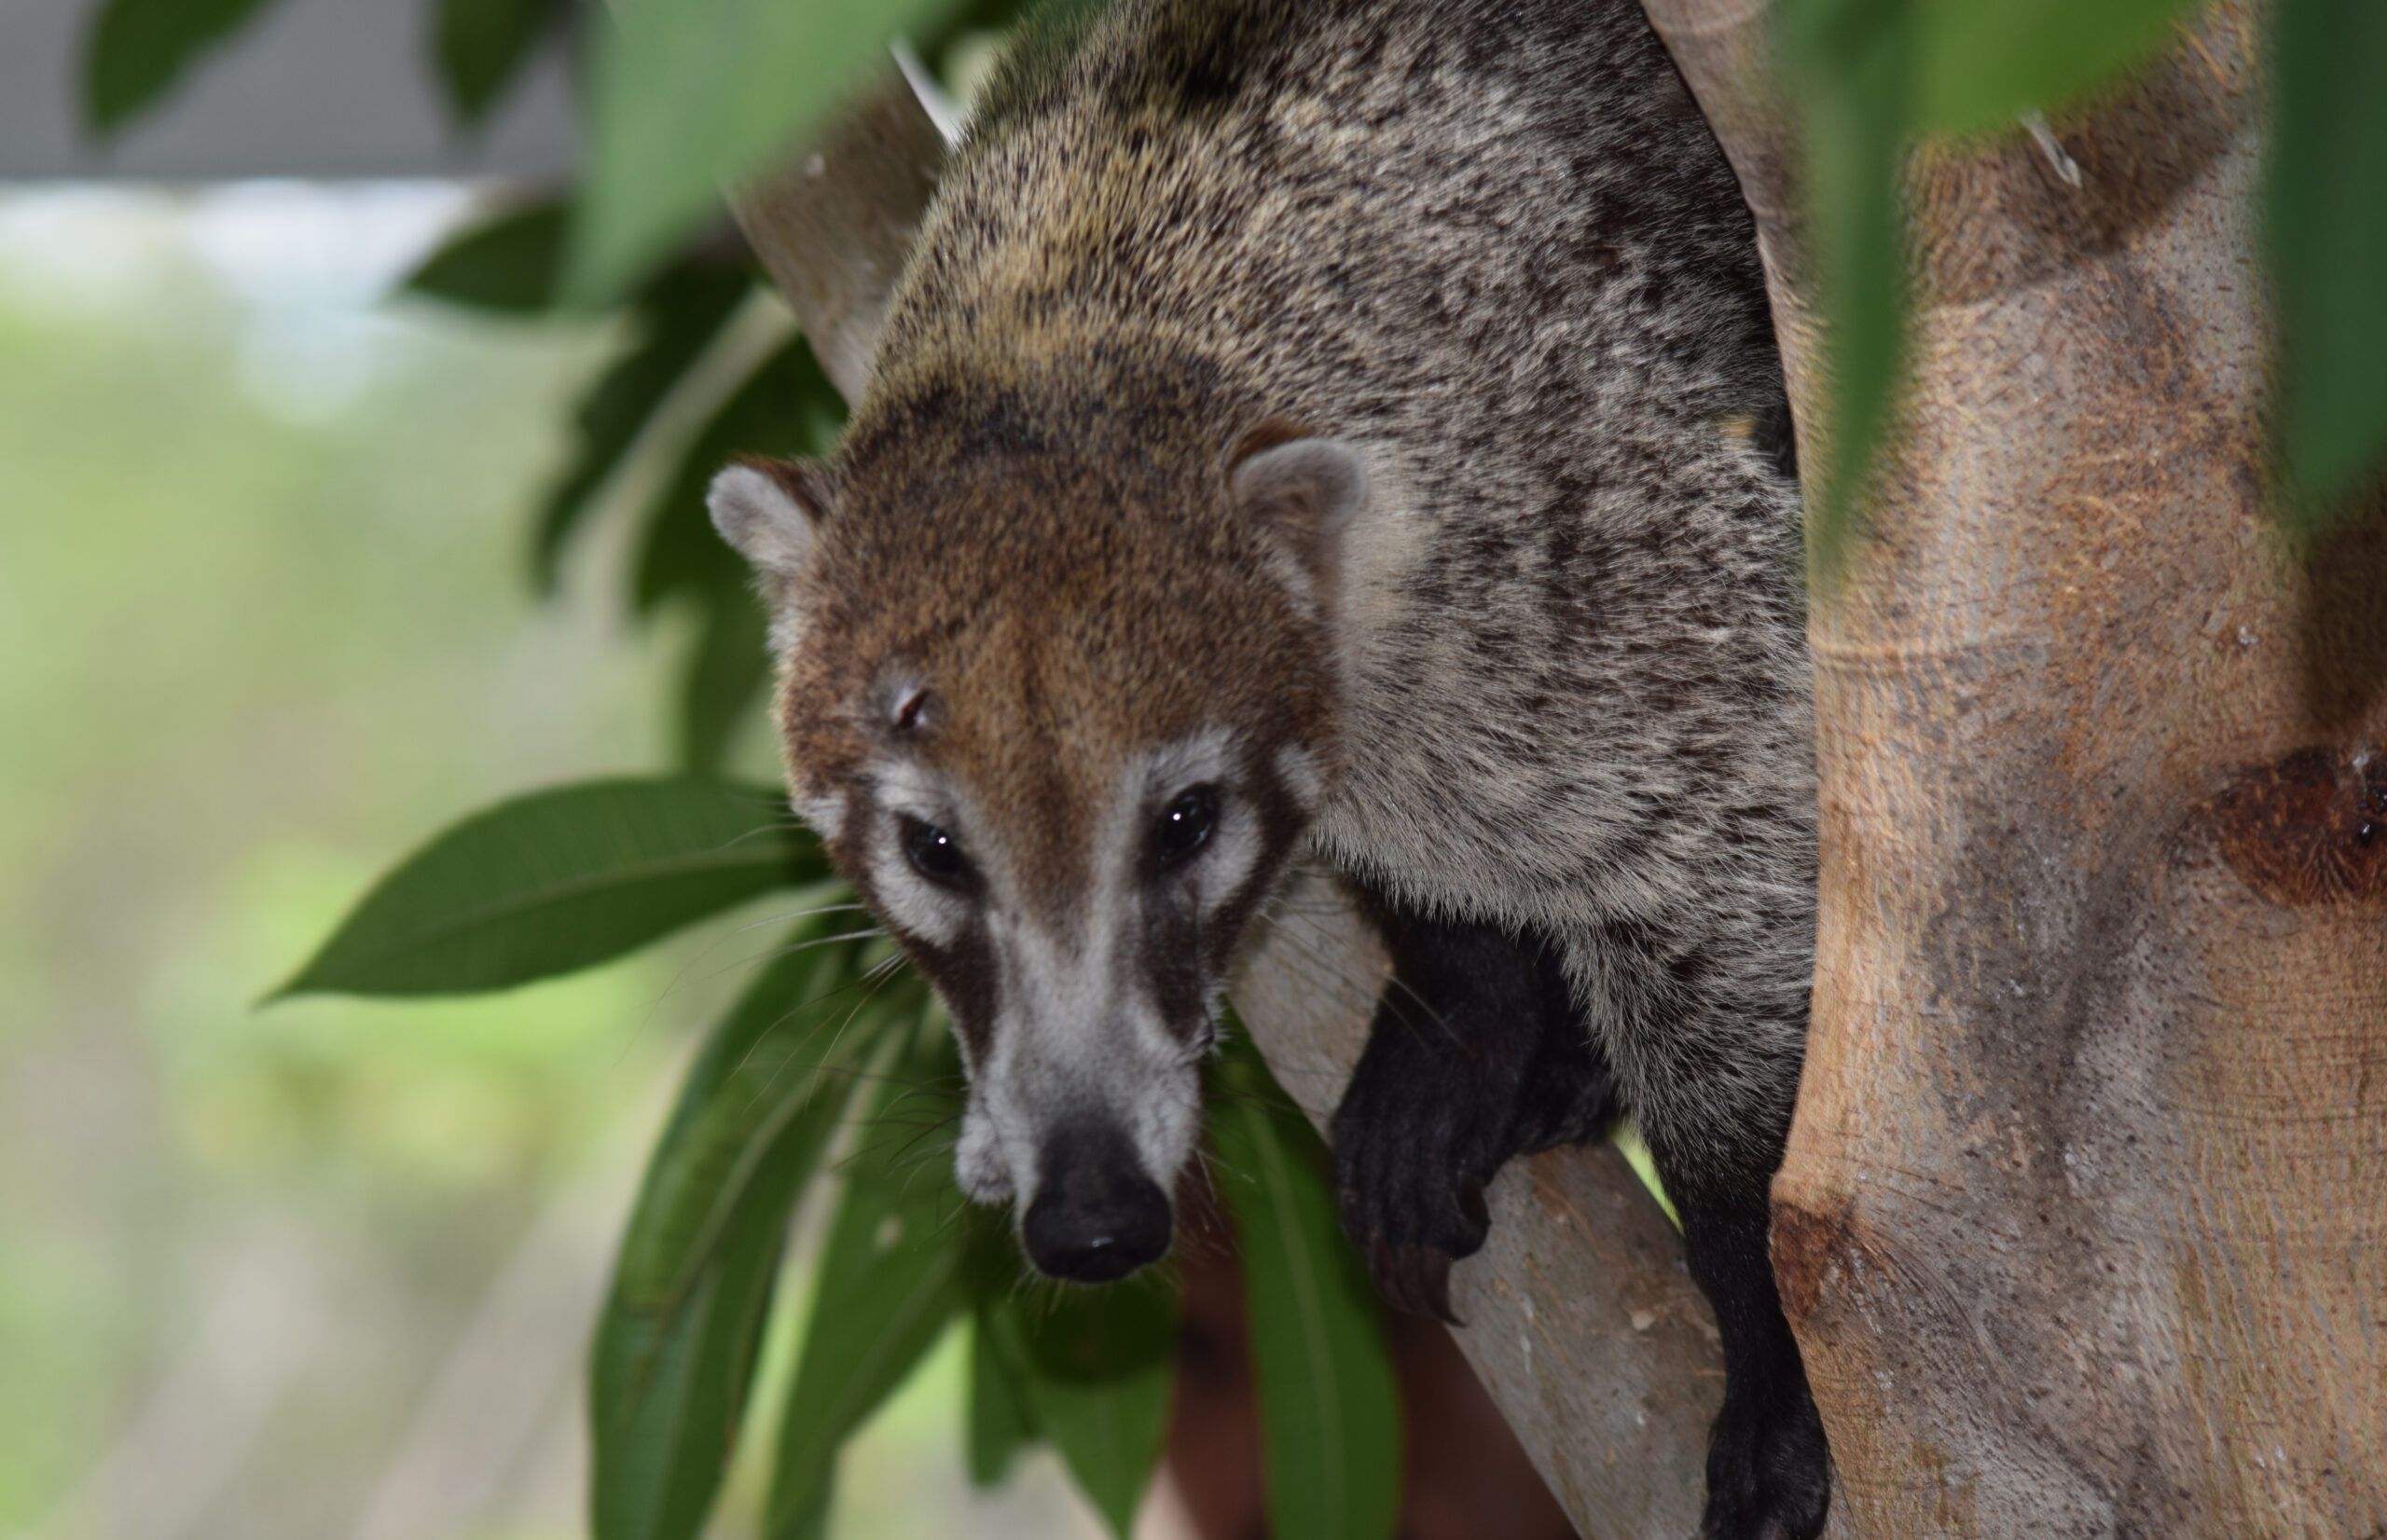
1769	1473
1475	1054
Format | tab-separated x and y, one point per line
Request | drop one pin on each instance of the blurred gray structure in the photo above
310	88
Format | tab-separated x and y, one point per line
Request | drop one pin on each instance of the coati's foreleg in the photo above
1476	1055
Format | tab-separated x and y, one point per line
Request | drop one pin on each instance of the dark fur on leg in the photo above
1475	1055
1769	1473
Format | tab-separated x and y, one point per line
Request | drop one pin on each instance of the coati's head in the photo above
1061	712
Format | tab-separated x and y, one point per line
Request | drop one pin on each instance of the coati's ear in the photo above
770	510
1300	492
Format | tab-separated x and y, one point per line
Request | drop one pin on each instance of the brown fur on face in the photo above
1064	605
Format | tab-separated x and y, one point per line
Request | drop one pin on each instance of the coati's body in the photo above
1360	412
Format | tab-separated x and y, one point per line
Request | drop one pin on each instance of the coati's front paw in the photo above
1769	1475
1415	1141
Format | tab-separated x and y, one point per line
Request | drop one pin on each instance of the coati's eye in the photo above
934	854
1184	826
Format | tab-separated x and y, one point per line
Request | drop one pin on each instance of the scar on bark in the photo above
2308	829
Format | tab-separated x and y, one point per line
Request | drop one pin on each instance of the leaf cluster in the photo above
832	1079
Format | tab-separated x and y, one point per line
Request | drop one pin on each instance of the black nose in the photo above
1096	1215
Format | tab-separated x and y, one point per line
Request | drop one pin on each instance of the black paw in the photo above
1769	1475
1415	1140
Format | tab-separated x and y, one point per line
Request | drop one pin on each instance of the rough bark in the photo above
2082	1228
1582	1321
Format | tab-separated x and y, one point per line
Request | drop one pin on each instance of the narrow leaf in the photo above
505	263
2327	229
1982	64
1850	64
888	1286
137	50
677	320
997	1427
479	47
786	406
1330	1408
560	880
1095	1367
674	1354
690	95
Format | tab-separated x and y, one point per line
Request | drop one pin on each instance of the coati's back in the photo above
1387	215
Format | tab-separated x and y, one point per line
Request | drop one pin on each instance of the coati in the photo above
1341	429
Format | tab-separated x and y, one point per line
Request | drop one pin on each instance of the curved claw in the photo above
1412	1277
1430	1281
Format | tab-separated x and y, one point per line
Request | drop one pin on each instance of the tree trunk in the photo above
2082	1228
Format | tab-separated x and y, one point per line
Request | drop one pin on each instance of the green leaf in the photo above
1635	1150
505	263
674	1354
785	407
138	49
1095	1367
559	880
1330	1408
481	45
1982	64
998	1426
1850	65
889	1283
677	319
690	95
727	667
2326	230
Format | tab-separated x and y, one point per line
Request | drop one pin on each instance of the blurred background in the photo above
326	1267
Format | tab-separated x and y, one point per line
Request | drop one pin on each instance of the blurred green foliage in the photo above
140	50
688	95
256	624
1977	68
1328	1404
2327	238
479	45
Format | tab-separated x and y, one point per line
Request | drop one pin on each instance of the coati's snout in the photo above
1096	1215
1067	779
